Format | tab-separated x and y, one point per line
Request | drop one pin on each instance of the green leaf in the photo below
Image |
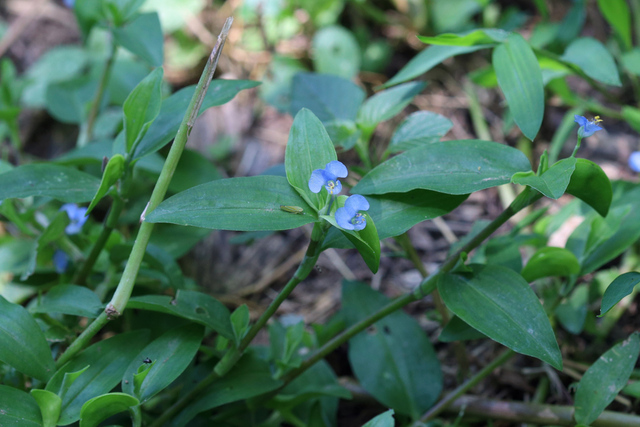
143	37
594	59
118	12
107	361
500	303
142	107
69	101
458	330
617	14
54	231
111	175
621	287
317	386
69	299
385	356
309	148
396	213
598	240
632	116
241	204
240	319
98	409
50	406
421	127
328	97
572	313
520	79
383	420
335	51
62	63
451	167
195	306
605	378
18	409
550	262
553	182
631	61
165	126
250	377
171	353
590	184
22	343
58	182
486	36
386	104
427	59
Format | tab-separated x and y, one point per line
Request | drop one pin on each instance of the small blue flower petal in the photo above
581	120
634	161
356	203
348	216
77	218
337	169
328	177
60	261
317	180
343	218
587	127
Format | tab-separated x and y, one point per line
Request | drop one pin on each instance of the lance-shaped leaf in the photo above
58	182
241	204
451	167
22	343
141	107
499	303
605	378
520	79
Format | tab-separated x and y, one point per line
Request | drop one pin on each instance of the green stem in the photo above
525	198
575	150
83	339
87	133
109	224
472	382
232	356
136	416
125	287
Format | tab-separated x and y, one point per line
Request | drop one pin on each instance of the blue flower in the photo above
349	217
328	177
634	161
60	261
76	216
587	127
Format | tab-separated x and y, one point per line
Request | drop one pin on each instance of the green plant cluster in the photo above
176	356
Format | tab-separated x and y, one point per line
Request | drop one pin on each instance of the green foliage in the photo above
504	308
477	165
179	356
605	378
22	343
520	79
385	358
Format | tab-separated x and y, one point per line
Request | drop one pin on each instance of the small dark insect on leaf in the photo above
386	330
147	360
105	161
